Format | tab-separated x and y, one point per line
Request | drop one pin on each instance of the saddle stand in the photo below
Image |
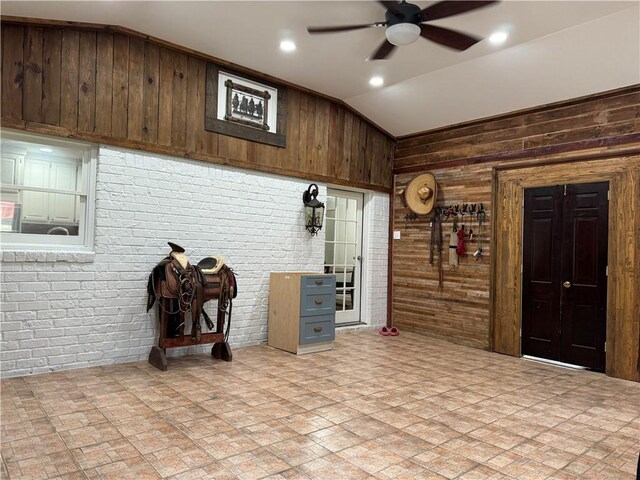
180	288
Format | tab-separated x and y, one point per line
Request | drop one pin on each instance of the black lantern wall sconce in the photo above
313	210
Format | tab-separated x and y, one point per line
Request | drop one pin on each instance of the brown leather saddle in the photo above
184	288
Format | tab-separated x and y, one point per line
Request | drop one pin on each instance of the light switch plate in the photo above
396	235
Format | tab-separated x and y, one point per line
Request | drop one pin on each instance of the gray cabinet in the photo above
302	311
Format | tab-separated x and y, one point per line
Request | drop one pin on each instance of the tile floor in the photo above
373	408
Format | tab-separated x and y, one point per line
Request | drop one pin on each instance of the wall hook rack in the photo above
459	211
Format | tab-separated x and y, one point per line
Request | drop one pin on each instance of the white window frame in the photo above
85	191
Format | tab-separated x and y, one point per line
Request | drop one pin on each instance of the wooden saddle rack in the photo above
181	291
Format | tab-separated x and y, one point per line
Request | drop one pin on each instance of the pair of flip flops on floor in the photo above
392	332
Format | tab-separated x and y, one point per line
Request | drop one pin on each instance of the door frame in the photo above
363	269
509	182
560	248
366	268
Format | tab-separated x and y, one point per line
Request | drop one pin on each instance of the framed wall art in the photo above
245	107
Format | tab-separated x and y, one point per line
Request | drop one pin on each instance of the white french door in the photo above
343	250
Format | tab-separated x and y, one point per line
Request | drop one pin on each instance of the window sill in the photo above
46	256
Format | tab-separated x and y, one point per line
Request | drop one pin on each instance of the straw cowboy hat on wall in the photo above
420	194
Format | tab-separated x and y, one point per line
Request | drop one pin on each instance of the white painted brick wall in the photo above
376	253
68	310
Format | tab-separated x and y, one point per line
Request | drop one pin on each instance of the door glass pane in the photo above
329	251
341	207
340	249
330	205
348	296
352	210
340	300
352	228
350	254
329	229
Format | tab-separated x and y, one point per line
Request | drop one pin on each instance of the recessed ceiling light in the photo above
287	46
376	81
498	38
47	150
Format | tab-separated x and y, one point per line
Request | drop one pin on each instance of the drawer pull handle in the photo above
318	302
317	329
319	282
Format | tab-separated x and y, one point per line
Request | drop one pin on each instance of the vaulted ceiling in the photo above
556	50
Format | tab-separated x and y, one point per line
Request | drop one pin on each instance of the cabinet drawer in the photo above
320	303
311	282
317	329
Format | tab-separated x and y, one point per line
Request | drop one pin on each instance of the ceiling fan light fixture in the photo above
402	33
287	46
499	37
376	81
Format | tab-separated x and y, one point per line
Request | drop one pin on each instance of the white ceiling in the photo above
557	50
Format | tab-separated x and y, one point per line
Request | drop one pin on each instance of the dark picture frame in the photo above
246	109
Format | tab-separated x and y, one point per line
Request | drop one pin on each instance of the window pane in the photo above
9	169
40	213
10	215
44	190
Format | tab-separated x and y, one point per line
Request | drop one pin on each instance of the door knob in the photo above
566	284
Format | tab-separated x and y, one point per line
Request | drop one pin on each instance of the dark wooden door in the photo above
542	273
564	273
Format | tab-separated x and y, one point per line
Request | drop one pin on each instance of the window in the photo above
47	192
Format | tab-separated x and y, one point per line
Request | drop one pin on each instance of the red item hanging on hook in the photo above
460	250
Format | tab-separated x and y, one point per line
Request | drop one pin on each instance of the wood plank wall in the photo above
464	160
111	86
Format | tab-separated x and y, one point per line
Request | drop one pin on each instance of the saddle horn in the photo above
176	248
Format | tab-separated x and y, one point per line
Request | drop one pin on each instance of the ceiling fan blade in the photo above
383	51
448	38
343	28
449	8
392	6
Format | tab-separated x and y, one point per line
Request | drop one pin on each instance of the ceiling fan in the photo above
404	24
